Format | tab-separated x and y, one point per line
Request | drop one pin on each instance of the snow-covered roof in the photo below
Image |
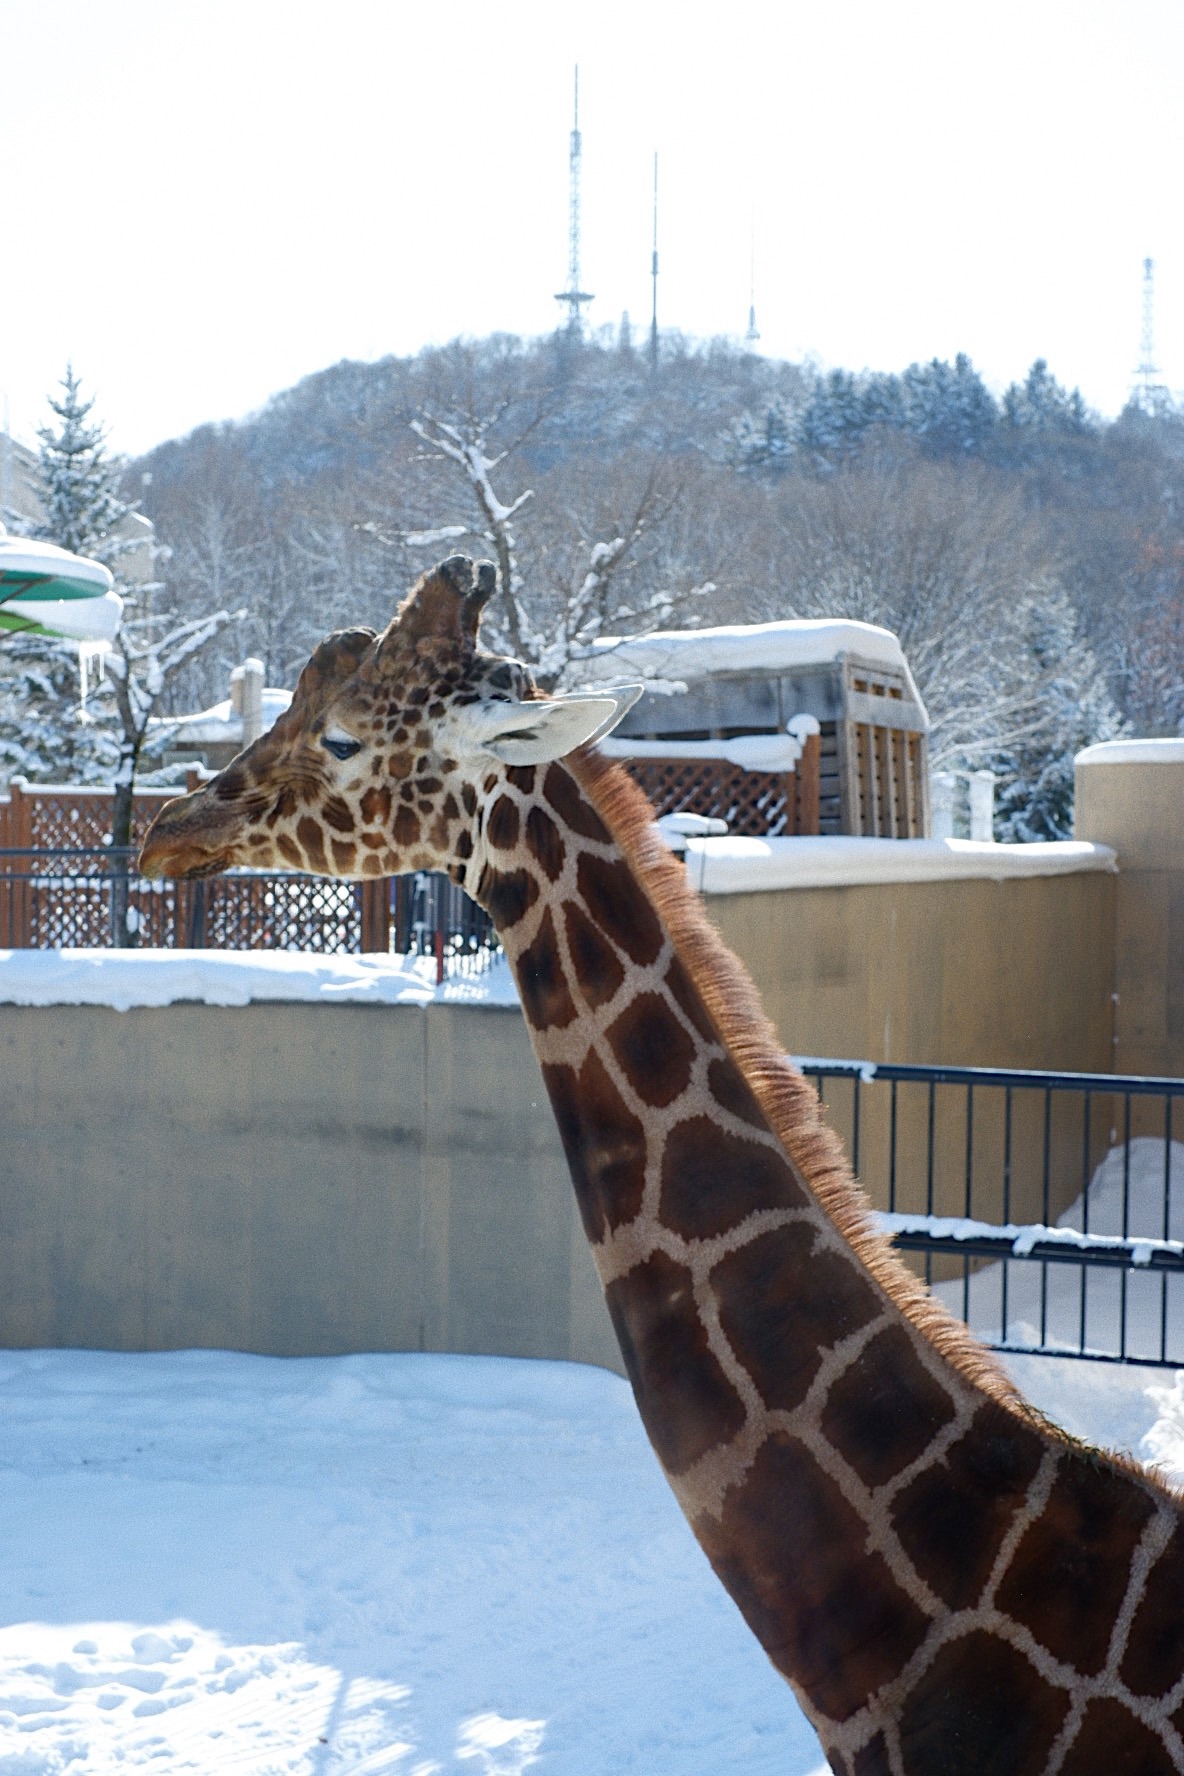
52	592
218	724
26	558
741	647
1133	752
747	866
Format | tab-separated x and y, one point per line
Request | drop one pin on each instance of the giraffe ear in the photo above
535	733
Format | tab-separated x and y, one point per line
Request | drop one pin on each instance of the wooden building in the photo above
778	728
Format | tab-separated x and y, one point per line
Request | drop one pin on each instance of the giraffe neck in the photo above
904	1537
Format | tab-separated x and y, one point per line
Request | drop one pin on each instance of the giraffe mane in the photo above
790	1103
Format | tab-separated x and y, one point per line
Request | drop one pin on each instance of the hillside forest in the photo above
1029	554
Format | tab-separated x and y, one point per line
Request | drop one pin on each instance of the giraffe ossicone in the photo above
950	1583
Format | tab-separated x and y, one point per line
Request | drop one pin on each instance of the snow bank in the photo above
748	866
122	979
401	1564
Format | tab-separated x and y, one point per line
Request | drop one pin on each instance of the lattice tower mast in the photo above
752	335
654	276
1149	392
573	296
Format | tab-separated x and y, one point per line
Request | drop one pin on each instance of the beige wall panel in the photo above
1139	809
965	973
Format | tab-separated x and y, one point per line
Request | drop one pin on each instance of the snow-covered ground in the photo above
400	1564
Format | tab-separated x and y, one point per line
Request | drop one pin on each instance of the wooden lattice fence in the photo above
755	804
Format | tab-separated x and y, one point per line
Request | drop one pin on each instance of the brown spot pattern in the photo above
687	998
344	853
687	1403
572	806
1154	1656
1111	1739
652	1049
1068	1577
376	804
731	1093
544	843
793	1553
980	1708
712	1179
952	1518
885	1409
502	826
619	907
873	1759
507	896
782	1305
597	966
338	814
309	833
603	1141
546	998
406	827
521	778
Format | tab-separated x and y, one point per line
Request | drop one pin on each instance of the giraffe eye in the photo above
341	749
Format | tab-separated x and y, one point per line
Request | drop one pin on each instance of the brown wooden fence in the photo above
755	804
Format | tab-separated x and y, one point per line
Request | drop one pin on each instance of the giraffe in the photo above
948	1581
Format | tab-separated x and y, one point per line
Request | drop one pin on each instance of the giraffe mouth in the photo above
159	861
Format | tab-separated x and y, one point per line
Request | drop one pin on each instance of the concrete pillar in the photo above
1130	794
252	695
943	787
982	805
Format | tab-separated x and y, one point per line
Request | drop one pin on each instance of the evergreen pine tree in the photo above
1036	801
79	483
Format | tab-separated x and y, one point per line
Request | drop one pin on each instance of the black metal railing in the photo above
88	896
1046	1209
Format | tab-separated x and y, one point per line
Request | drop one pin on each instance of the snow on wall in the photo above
754	866
1133	752
123	979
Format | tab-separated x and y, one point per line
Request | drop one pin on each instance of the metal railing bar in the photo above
1138	1084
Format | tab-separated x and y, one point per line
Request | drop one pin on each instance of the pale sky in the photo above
202	201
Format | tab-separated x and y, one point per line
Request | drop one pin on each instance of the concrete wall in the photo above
287	1179
314	1178
1130	794
1014	973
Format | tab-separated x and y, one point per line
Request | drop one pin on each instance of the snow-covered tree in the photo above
79	493
1035	800
552	623
79	482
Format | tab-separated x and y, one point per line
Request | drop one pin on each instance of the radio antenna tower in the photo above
1149	394
573	295
654	276
752	335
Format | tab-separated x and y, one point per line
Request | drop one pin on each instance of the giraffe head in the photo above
389	746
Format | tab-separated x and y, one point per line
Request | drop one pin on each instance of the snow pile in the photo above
402	1564
754	866
123	979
